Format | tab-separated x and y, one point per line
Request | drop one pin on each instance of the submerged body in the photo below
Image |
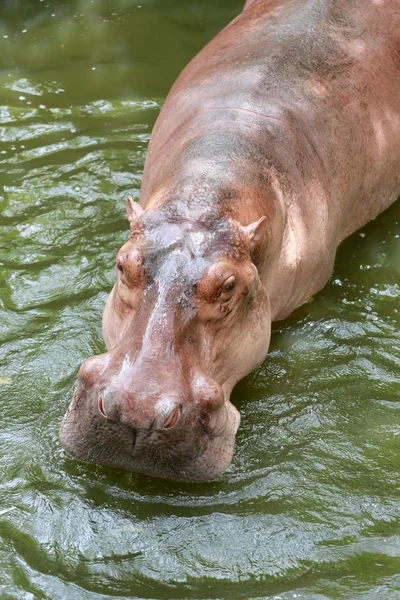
278	140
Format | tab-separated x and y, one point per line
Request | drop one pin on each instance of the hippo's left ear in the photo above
133	209
256	231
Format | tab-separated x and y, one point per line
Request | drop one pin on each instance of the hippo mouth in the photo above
89	434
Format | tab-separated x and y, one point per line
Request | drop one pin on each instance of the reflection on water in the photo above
310	506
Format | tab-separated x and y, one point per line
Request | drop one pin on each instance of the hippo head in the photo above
187	318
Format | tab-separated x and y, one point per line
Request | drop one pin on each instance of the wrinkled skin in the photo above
279	139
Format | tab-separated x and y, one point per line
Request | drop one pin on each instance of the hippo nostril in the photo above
172	418
168	414
101	407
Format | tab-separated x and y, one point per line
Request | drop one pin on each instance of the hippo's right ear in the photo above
133	210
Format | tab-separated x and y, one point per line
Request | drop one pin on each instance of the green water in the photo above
310	507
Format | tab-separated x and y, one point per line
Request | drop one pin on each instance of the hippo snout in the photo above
92	369
118	406
117	419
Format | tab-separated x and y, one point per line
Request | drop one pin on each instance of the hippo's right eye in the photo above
120	267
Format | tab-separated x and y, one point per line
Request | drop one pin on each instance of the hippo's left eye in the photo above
229	285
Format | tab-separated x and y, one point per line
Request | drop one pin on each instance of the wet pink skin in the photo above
277	141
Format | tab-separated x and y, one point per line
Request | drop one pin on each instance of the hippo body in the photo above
279	139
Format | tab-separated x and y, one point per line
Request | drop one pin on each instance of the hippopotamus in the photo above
278	140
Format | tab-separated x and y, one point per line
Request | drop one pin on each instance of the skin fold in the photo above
277	141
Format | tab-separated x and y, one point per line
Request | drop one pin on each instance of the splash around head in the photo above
187	318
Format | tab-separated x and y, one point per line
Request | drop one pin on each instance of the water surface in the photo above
310	507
